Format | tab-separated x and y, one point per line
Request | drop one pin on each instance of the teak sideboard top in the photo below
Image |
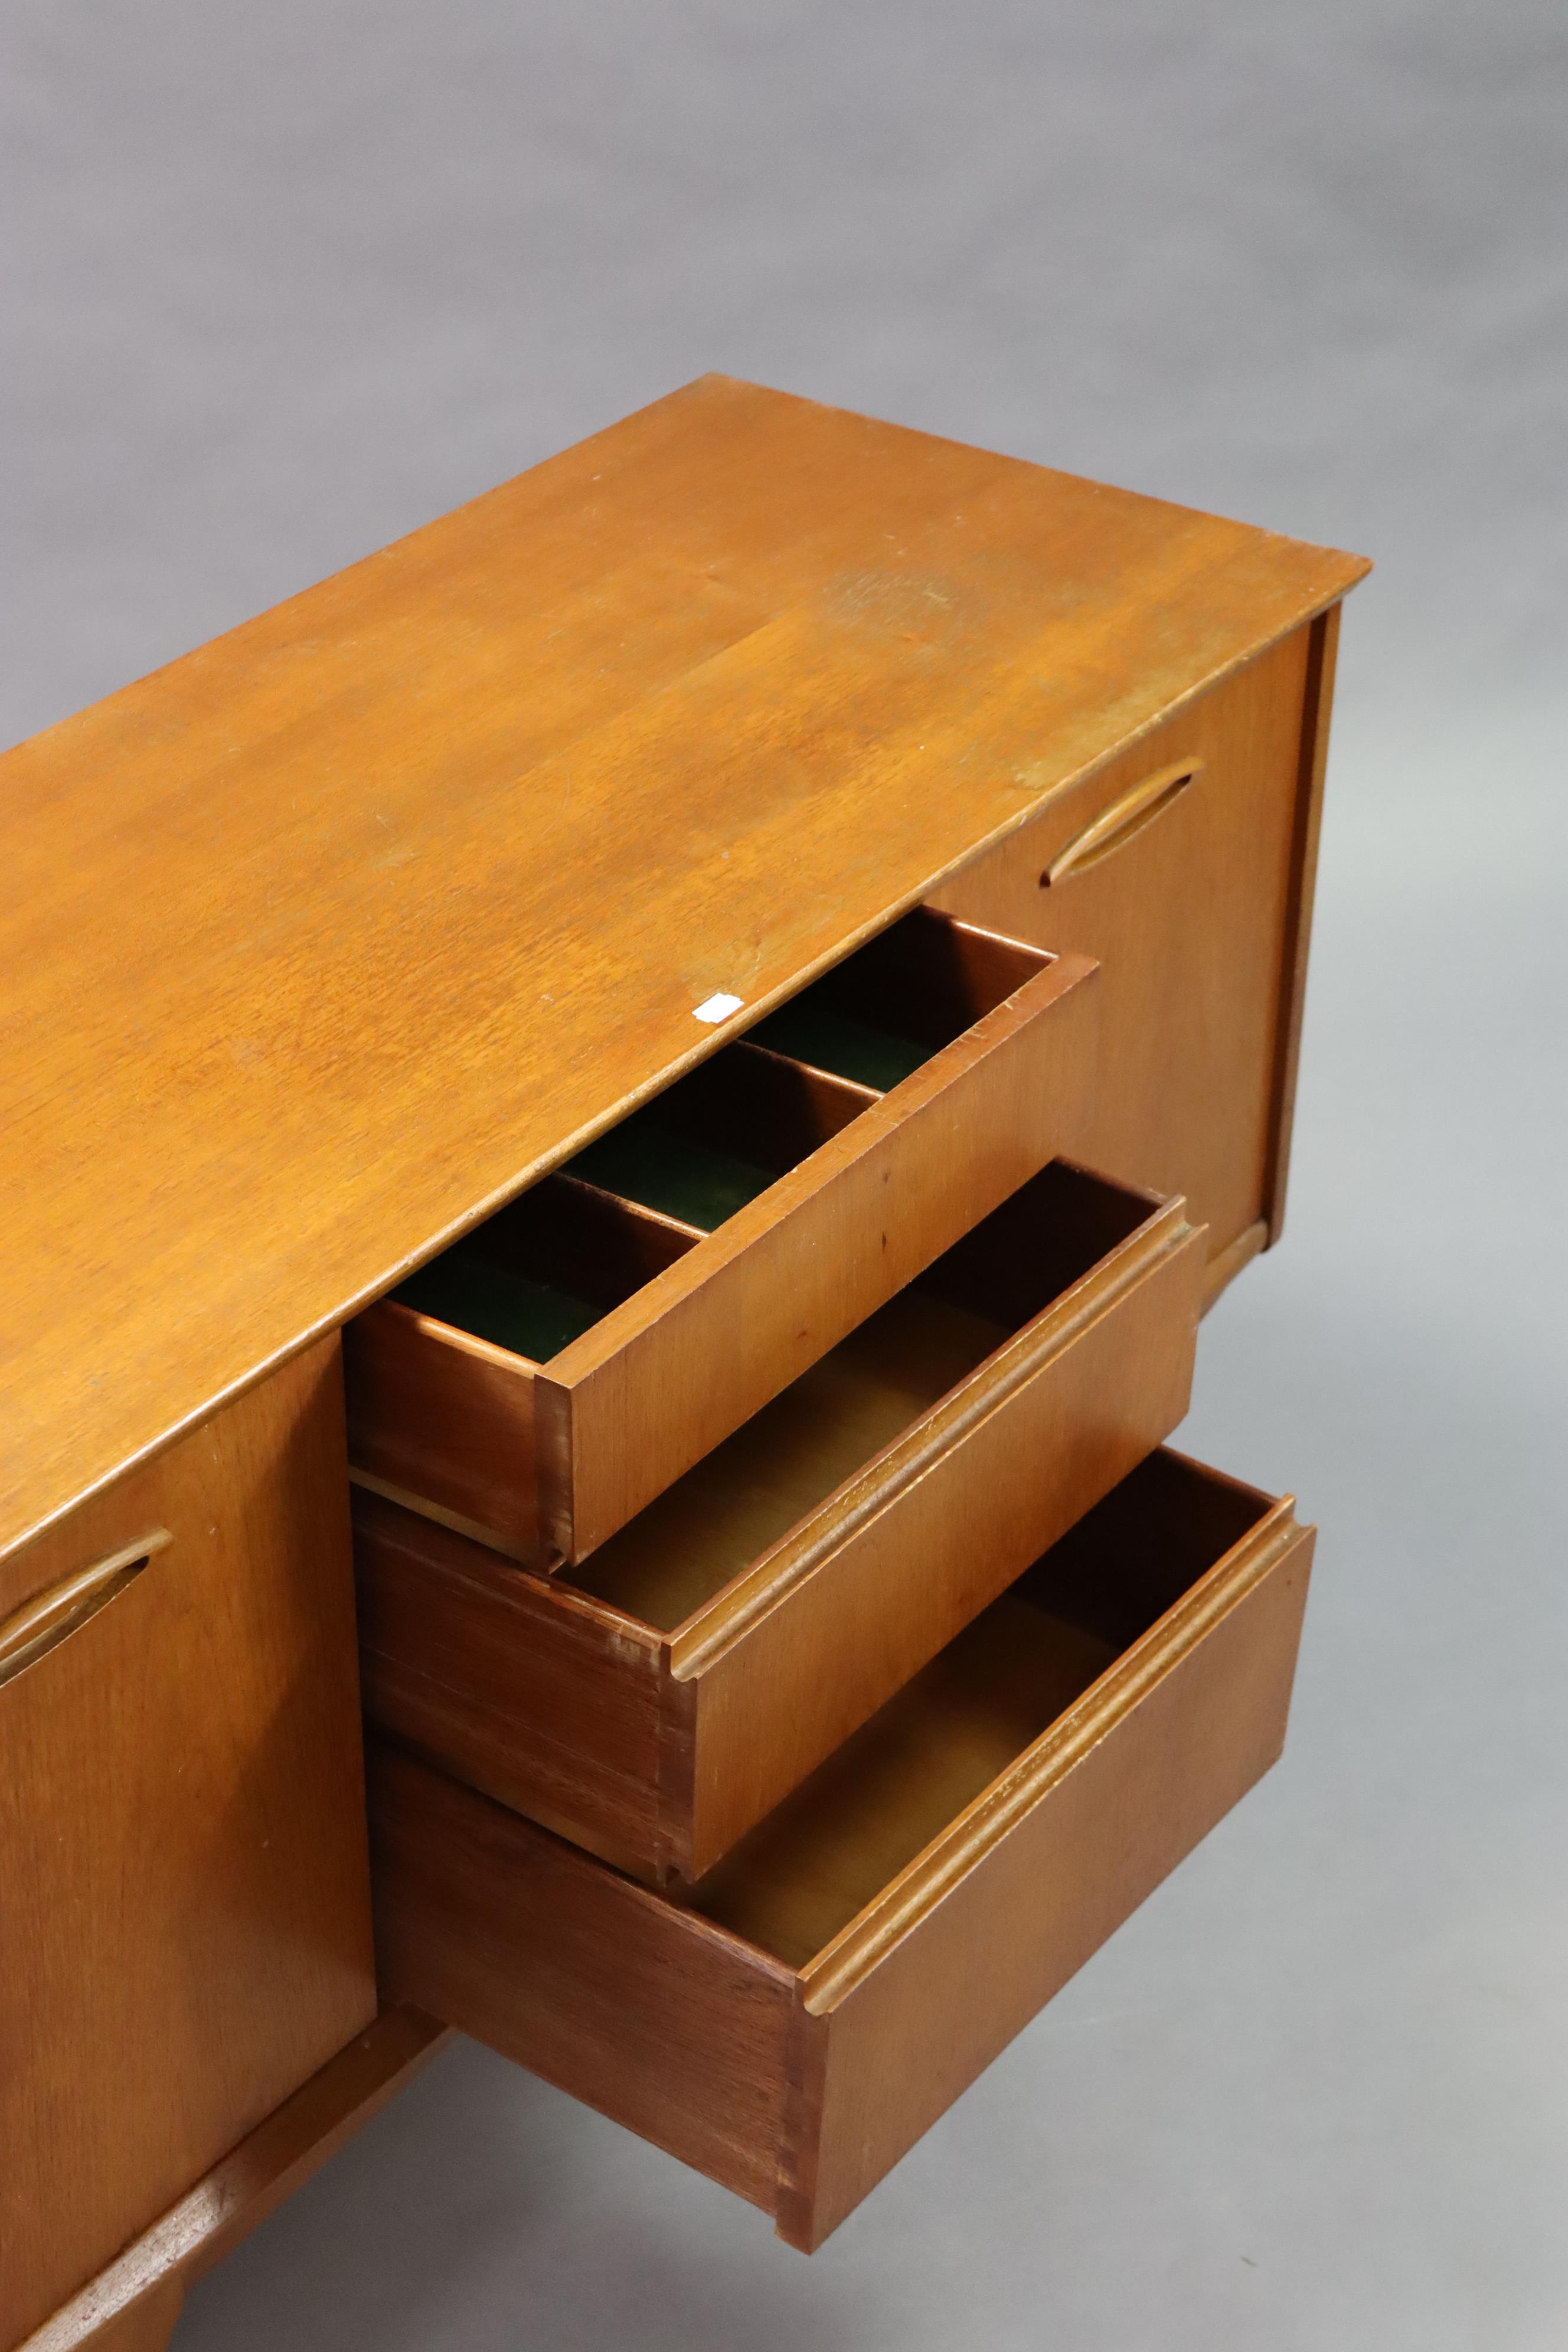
326	939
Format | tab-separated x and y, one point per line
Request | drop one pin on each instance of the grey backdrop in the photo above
283	282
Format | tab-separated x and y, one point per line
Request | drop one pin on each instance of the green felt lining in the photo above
473	1293
648	1162
810	1029
651	1164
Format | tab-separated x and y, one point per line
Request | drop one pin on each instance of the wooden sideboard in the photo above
745	987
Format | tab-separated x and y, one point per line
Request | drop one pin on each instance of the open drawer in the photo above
655	1702
817	2001
541	1381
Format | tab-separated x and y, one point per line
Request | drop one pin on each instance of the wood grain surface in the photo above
641	2008
551	1701
549	1461
1003	1467
626	1407
922	1990
326	939
140	2292
147	2324
656	1701
1199	919
1317	710
805	2012
184	1916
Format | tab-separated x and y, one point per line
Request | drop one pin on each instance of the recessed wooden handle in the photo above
42	1623
1115	826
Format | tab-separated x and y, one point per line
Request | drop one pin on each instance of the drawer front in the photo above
185	1917
1196	896
546	1460
1027	1892
658	1745
787	1669
798	2076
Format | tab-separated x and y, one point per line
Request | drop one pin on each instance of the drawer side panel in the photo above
524	1690
446	1420
645	2011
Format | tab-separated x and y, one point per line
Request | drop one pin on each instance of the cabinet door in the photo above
185	1930
1185	867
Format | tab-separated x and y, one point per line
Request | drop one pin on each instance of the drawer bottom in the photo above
793	2022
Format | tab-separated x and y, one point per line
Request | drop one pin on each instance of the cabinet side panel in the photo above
1316	709
184	1924
640	2009
930	2015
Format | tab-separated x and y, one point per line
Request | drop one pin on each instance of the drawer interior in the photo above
681	1550
543	1272
718	1137
831	1849
546	1268
884	1010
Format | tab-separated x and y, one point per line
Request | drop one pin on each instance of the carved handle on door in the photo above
50	1618
1125	816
